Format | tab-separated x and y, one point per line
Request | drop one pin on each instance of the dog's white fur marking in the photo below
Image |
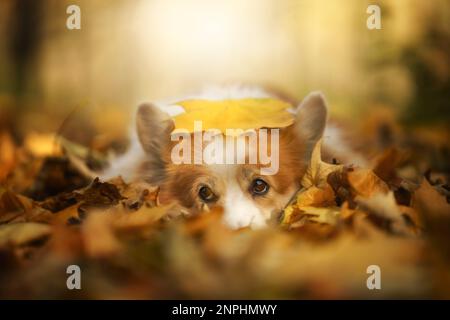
125	165
239	210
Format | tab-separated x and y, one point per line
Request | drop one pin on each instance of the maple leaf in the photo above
234	114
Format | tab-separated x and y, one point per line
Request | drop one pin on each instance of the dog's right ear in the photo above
153	130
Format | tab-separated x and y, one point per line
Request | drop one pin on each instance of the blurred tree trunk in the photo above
24	41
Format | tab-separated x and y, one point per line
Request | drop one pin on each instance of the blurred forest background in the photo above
67	97
132	51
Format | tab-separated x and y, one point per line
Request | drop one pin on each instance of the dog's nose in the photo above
242	216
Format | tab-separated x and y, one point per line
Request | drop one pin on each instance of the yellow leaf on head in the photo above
234	114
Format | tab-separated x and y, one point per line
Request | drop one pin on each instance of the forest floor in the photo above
394	214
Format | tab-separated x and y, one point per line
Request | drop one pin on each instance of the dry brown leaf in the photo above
99	238
347	213
381	204
316	197
366	183
65	215
385	165
318	171
430	202
144	217
316	191
17	208
18	234
295	216
384	206
329	215
7	155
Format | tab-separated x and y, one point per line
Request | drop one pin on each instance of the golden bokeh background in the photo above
67	98
132	51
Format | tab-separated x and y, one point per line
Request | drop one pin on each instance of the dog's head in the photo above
248	195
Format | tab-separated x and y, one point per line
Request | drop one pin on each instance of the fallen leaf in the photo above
144	217
316	197
234	114
315	192
99	194
318	171
365	183
329	215
98	235
18	234
56	175
17	208
430	202
7	155
384	206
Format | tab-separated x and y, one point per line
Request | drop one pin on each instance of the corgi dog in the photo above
247	196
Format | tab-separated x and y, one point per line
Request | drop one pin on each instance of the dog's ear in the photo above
153	130
310	120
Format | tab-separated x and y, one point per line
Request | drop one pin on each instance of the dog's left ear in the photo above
310	120
153	130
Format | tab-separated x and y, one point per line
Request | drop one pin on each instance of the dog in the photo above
248	197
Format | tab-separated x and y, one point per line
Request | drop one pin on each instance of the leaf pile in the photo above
343	219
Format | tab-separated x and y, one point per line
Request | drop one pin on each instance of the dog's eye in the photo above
259	187
206	194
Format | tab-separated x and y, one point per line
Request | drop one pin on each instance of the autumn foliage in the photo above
394	213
